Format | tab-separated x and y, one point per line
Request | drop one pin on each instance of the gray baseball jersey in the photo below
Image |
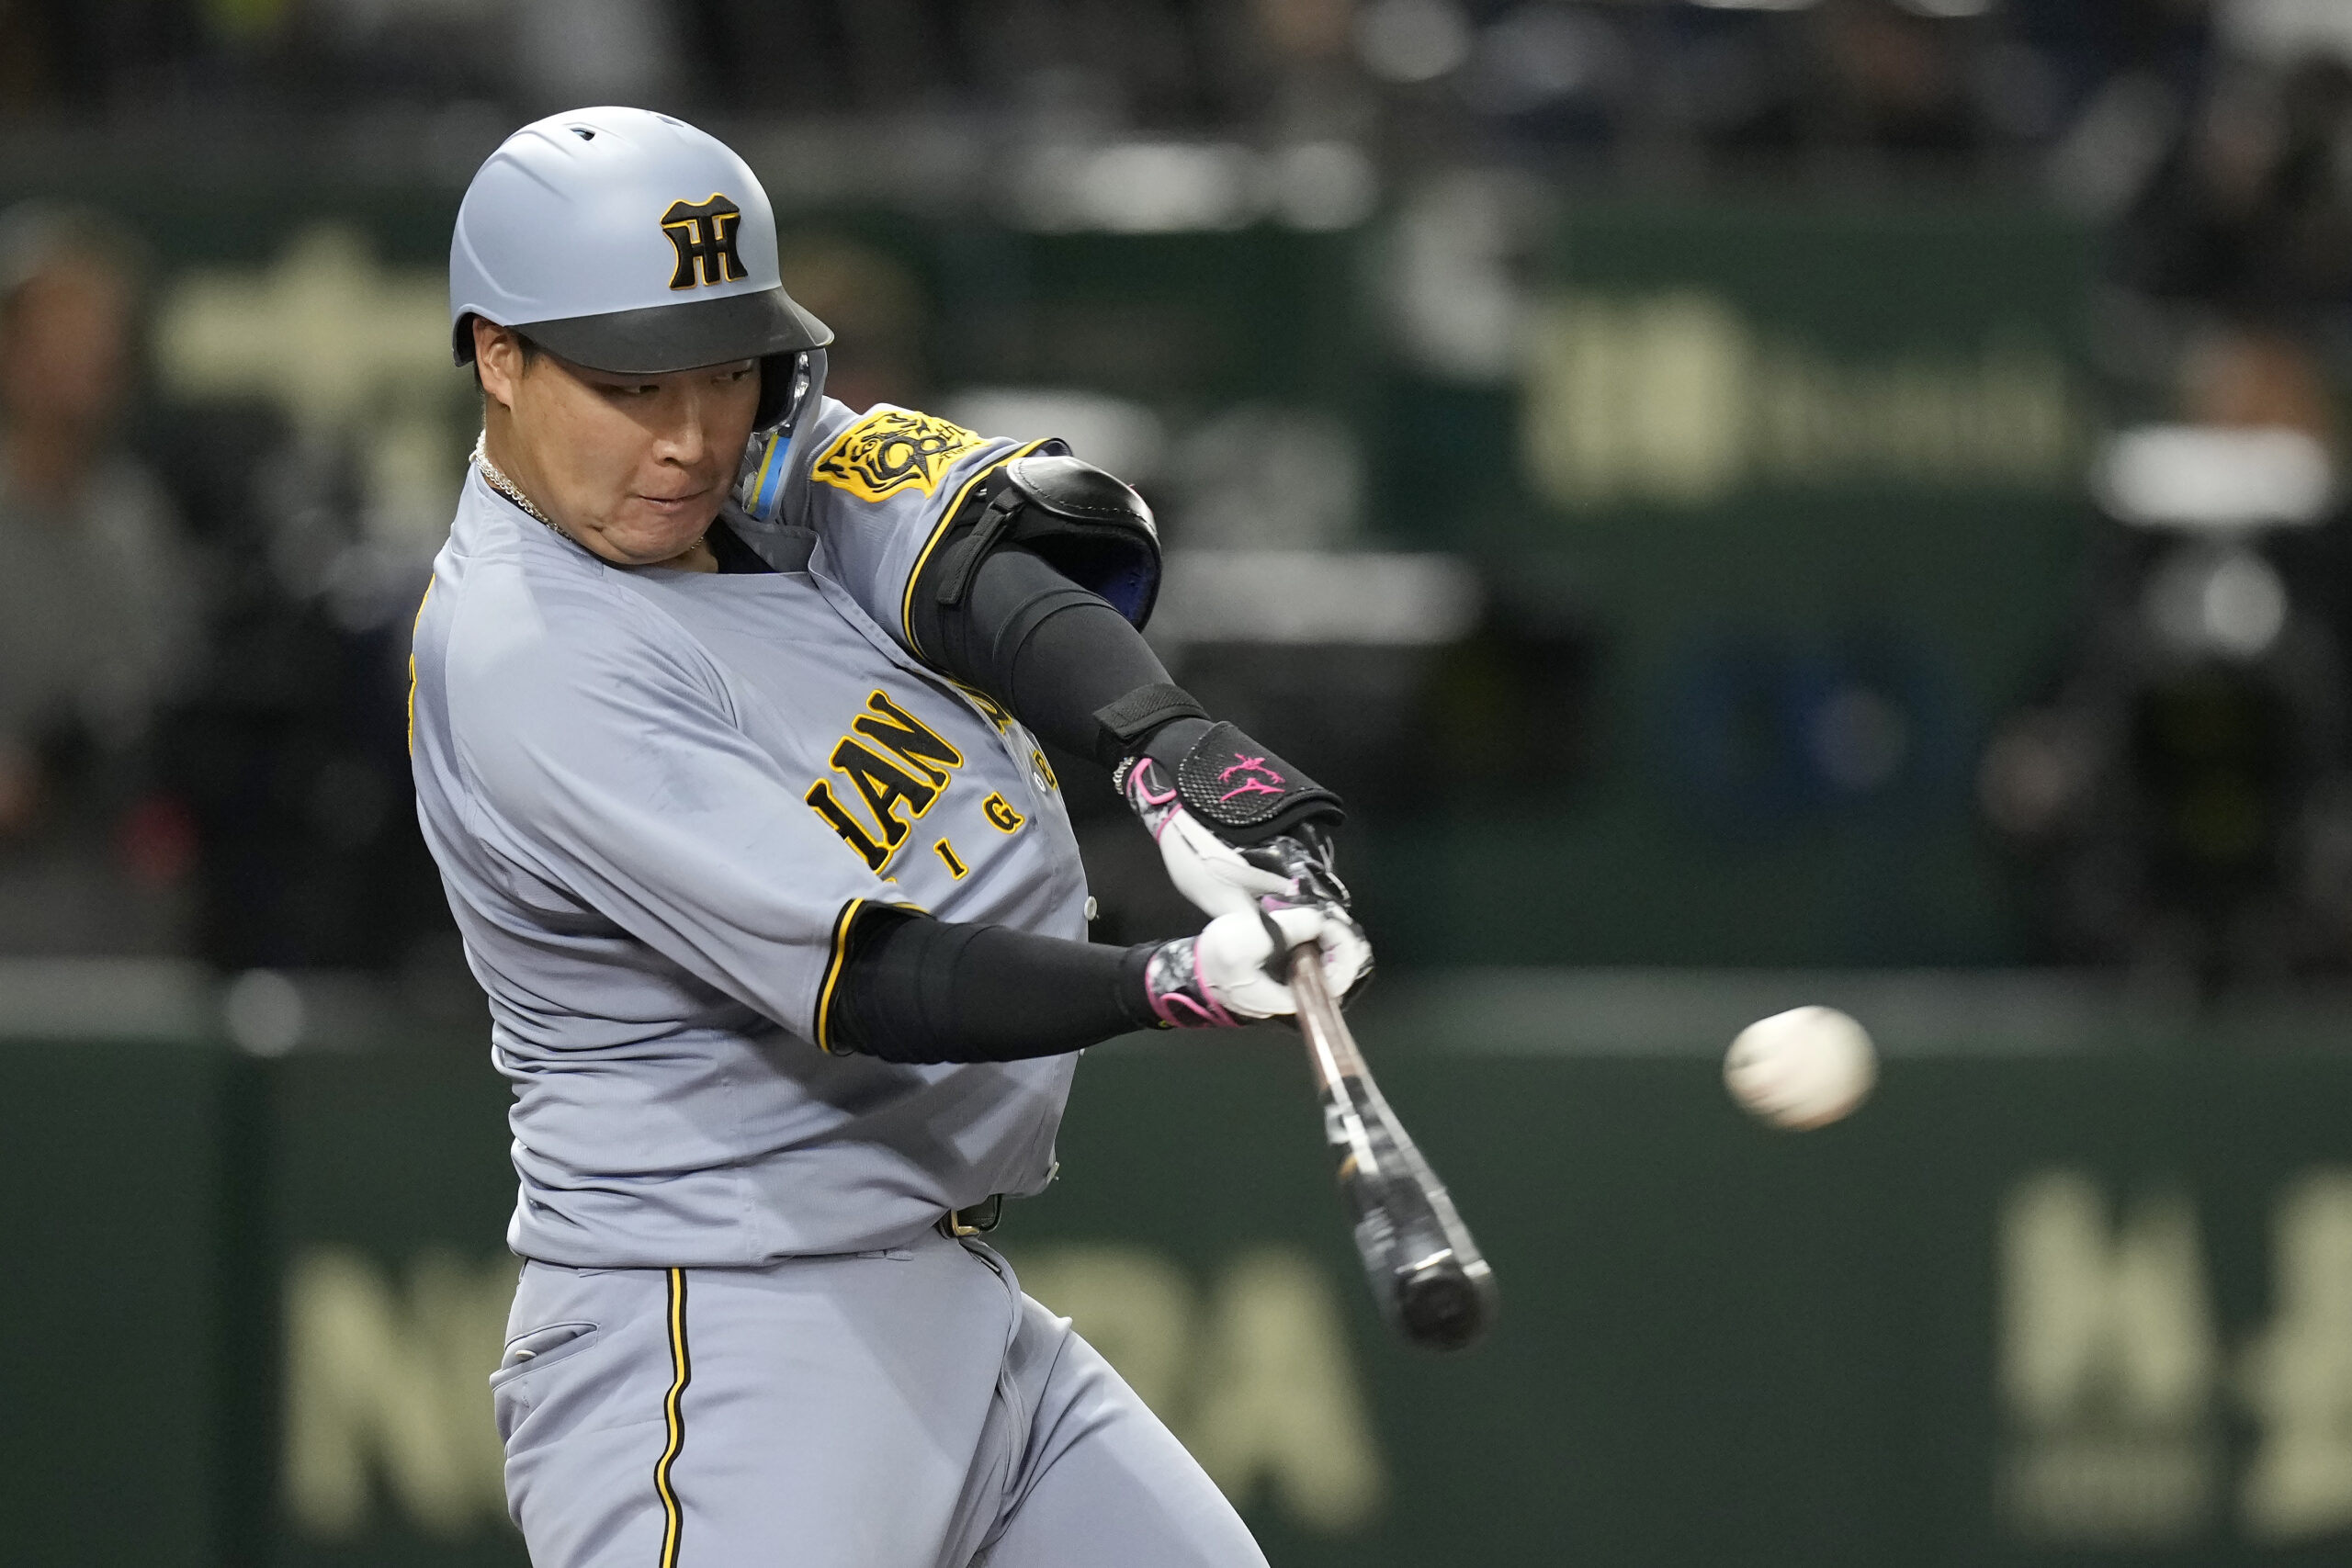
655	794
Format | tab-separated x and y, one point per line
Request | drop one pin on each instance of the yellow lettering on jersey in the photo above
1044	771
991	709
946	851
916	742
892	450
1001	815
820	800
896	761
883	784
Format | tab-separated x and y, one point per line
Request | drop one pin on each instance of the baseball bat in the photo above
1425	1271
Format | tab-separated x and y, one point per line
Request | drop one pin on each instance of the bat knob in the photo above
1443	1307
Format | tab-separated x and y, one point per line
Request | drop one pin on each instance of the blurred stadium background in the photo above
1754	502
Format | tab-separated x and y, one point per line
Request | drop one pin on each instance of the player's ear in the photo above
501	357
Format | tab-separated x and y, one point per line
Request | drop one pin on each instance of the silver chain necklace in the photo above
507	488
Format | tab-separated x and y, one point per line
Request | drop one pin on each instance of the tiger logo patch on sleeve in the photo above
891	450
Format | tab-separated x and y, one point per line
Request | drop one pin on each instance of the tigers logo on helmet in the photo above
704	235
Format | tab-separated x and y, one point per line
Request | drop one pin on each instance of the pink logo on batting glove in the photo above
1256	778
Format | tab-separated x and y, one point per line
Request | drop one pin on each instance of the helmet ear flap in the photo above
791	387
788	382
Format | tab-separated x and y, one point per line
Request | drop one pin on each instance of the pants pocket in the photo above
540	1347
510	1396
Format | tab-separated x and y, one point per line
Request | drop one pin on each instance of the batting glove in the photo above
1237	970
1235	824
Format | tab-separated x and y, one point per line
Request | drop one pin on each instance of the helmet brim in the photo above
660	339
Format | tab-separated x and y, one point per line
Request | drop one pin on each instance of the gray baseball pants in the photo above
901	1409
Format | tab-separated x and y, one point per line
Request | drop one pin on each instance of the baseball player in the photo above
725	713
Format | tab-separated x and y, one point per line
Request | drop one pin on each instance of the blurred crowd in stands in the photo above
1943	77
194	760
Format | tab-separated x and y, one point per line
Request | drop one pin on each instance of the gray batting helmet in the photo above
627	241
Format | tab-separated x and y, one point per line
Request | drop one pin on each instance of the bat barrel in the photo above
1444	1307
1423	1267
1421	1258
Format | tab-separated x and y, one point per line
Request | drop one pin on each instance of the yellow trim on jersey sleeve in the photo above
939	531
844	923
840	956
420	604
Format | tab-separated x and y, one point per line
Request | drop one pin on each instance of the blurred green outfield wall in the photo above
2086	1310
1813	475
129	1373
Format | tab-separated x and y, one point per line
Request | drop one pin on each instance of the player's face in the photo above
634	467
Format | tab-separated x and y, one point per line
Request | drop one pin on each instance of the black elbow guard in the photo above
1086	524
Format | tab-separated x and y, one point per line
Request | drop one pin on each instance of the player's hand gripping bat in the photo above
1424	1268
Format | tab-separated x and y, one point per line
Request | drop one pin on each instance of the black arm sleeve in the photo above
917	989
1051	653
1074	671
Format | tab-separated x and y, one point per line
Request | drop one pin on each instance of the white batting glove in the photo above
1236	970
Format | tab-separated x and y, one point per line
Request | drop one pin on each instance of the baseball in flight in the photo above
1802	1069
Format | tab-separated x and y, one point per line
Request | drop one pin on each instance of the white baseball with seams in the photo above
1803	1068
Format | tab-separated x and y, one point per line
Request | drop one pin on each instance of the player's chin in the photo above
646	529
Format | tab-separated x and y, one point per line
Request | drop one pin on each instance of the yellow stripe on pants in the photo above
681	1371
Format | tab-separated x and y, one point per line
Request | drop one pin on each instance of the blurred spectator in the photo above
2255	379
2185	794
2254	209
96	607
69	58
1896	80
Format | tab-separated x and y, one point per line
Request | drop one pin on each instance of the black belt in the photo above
978	1220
